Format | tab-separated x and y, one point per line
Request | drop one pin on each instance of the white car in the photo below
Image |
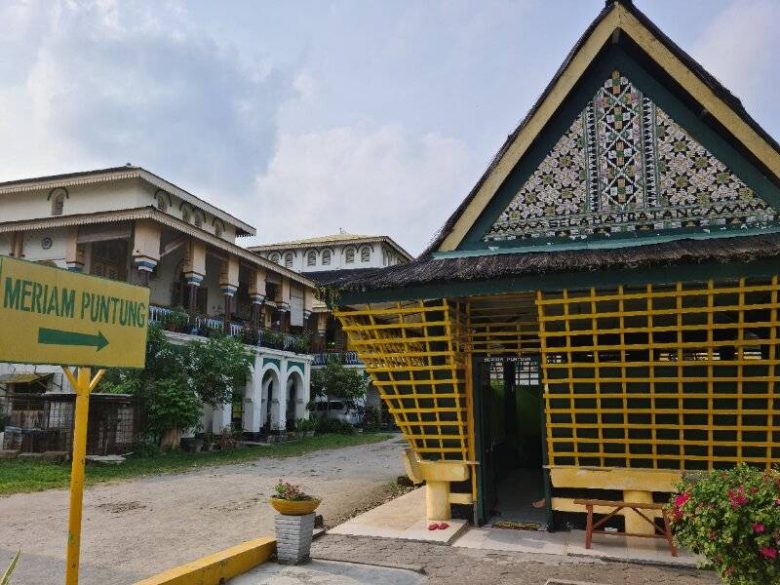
338	410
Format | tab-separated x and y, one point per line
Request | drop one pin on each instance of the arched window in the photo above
349	255
288	260
58	204
186	214
275	258
199	219
311	258
365	254
326	257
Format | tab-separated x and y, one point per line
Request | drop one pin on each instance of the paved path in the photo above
327	573
446	565
136	528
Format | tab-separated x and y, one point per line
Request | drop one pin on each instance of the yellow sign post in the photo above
52	316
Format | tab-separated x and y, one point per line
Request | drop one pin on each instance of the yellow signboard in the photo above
52	316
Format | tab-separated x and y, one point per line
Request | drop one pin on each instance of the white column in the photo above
221	418
279	410
253	399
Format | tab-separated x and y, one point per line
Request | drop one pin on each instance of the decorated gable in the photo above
626	167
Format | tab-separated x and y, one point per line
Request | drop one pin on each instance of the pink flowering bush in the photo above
732	518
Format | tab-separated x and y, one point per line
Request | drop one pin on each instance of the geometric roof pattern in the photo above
643	197
624	166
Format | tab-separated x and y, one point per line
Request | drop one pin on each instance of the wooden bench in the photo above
637	507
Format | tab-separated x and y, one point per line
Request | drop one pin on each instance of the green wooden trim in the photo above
686	273
615	57
275	361
481	505
608	244
299	365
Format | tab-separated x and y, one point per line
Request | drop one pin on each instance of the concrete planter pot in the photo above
293	538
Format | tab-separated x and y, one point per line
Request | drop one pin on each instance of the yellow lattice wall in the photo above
502	325
680	377
413	352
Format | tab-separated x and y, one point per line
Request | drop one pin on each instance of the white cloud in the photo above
740	47
376	180
103	83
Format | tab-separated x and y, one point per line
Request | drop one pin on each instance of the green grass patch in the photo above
20	475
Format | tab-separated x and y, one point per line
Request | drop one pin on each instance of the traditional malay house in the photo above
600	314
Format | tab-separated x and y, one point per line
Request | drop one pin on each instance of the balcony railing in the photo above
203	326
347	358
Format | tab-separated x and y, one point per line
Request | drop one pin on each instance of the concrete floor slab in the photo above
327	573
402	518
607	547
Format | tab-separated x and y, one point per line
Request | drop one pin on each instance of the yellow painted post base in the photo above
437	476
634	523
437	501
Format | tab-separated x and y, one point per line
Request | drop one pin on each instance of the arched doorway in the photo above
294	394
270	395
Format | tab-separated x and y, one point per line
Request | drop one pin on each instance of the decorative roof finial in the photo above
611	2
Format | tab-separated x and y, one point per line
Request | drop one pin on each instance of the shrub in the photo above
732	518
300	344
372	420
177	320
304	425
146	446
272	339
331	425
170	404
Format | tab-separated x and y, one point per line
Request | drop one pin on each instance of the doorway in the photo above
509	414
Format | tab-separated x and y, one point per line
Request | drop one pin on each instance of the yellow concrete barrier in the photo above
218	567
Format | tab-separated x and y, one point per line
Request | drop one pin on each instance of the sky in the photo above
305	117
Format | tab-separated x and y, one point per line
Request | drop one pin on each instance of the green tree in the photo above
338	381
216	368
161	387
170	404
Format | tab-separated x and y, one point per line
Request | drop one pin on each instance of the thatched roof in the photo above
328	277
424	271
711	82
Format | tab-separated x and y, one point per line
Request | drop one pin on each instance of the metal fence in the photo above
36	423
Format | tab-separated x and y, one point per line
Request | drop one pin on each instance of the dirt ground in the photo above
136	528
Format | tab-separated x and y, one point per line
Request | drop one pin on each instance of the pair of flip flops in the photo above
438	526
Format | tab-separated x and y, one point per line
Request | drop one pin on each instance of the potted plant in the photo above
272	339
295	522
291	500
177	320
